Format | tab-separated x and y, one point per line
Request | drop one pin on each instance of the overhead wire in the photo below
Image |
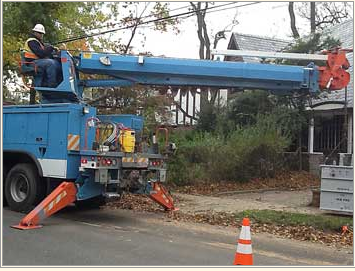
180	16
144	17
147	24
143	23
128	27
208	12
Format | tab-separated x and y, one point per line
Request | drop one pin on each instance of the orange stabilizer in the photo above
333	76
162	197
61	197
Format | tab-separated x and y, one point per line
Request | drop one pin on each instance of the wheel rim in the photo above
19	188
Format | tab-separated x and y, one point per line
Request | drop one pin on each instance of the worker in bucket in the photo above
42	55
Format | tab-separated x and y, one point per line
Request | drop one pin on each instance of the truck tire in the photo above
23	189
5	170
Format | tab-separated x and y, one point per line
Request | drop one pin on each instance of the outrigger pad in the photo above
162	197
22	227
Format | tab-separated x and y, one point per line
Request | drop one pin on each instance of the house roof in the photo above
343	31
240	41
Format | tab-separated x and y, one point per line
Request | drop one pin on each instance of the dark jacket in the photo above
38	50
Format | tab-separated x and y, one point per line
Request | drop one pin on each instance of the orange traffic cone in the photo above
244	254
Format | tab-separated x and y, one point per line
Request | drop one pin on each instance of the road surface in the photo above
127	238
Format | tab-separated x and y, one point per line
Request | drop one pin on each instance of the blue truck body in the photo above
43	135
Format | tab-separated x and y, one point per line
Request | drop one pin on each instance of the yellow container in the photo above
127	140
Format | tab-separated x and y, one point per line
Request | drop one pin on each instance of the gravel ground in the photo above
292	201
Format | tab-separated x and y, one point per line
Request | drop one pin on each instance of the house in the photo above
331	127
332	123
240	41
187	103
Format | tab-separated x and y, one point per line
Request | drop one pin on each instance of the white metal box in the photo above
337	188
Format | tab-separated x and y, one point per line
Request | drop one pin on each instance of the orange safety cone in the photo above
244	254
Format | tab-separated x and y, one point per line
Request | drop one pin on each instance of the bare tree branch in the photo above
178	106
200	18
137	21
326	13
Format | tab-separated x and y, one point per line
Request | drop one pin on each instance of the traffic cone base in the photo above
243	259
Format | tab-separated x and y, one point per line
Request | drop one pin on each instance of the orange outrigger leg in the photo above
162	197
61	197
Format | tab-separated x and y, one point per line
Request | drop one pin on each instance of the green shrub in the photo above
247	152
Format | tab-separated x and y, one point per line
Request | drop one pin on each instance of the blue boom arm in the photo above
126	70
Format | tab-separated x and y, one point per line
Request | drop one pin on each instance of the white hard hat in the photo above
39	28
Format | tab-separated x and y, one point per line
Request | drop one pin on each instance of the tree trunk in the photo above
291	11
205	34
313	17
32	96
200	23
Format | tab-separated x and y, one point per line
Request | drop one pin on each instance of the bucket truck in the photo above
60	151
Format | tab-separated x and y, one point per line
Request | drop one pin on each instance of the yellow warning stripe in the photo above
134	160
73	142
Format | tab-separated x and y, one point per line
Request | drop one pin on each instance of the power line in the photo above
191	15
151	21
254	3
207	12
146	22
144	17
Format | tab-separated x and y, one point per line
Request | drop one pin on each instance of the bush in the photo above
247	152
195	152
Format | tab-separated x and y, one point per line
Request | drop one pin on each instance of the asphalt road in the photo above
126	238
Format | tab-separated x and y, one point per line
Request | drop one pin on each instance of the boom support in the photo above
332	76
126	70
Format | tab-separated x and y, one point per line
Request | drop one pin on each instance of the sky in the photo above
269	19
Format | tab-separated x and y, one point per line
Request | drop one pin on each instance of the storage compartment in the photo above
337	189
341	202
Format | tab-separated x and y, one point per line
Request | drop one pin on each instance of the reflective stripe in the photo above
73	142
245	233
50	206
28	51
30	55
245	242
244	249
127	159
142	160
55	201
134	160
